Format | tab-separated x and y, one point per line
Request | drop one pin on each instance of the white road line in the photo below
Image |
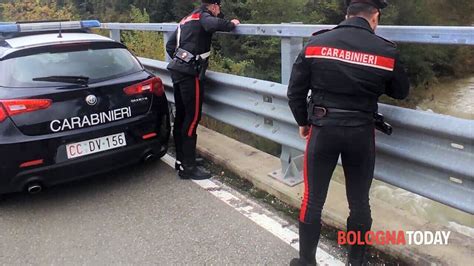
258	214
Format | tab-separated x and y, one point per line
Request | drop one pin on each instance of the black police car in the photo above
73	104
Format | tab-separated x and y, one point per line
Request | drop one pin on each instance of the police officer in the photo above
189	47
346	69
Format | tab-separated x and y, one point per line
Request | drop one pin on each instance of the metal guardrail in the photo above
412	34
429	154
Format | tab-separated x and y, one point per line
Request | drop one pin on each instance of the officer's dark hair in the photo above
206	4
361	9
210	2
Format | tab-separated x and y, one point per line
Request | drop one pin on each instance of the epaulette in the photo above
321	32
389	41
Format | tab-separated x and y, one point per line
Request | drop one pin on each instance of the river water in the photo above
422	207
454	98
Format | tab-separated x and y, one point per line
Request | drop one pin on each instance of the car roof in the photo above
52	39
10	45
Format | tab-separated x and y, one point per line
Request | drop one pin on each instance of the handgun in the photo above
381	125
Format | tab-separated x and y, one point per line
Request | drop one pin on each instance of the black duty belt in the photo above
320	111
379	119
187	57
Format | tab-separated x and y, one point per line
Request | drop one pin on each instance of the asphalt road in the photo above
140	215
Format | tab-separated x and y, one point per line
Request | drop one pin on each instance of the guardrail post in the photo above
166	37
290	48
291	172
291	159
115	35
171	106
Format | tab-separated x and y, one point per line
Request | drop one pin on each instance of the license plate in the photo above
92	146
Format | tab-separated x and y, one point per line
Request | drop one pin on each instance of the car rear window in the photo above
97	61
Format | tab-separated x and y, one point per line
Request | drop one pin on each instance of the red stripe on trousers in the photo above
196	111
304	204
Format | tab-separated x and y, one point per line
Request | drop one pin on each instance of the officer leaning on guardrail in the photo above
346	69
190	48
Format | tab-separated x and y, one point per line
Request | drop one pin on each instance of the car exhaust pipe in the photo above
34	188
148	157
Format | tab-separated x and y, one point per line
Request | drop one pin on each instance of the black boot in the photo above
356	255
193	172
178	144
199	162
309	238
300	262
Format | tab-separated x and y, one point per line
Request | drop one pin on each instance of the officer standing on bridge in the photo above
346	69
190	47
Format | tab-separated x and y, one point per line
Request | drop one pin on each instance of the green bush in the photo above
142	43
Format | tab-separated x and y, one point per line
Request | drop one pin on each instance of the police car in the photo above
73	104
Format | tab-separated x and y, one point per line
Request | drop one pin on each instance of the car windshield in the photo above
96	62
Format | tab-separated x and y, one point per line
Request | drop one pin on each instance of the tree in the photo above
29	10
259	56
182	8
146	44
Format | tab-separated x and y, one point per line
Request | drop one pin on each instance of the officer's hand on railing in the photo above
236	22
304	132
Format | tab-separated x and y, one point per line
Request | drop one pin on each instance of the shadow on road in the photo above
109	183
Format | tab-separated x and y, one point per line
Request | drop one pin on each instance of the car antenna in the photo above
60	34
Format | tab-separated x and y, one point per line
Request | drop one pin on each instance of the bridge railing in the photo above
429	154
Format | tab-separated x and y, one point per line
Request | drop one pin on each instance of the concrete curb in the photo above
254	165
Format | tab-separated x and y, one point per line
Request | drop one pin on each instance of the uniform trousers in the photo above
356	147
188	95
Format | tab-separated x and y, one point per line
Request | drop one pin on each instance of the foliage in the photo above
259	57
35	10
323	12
145	44
427	63
223	64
